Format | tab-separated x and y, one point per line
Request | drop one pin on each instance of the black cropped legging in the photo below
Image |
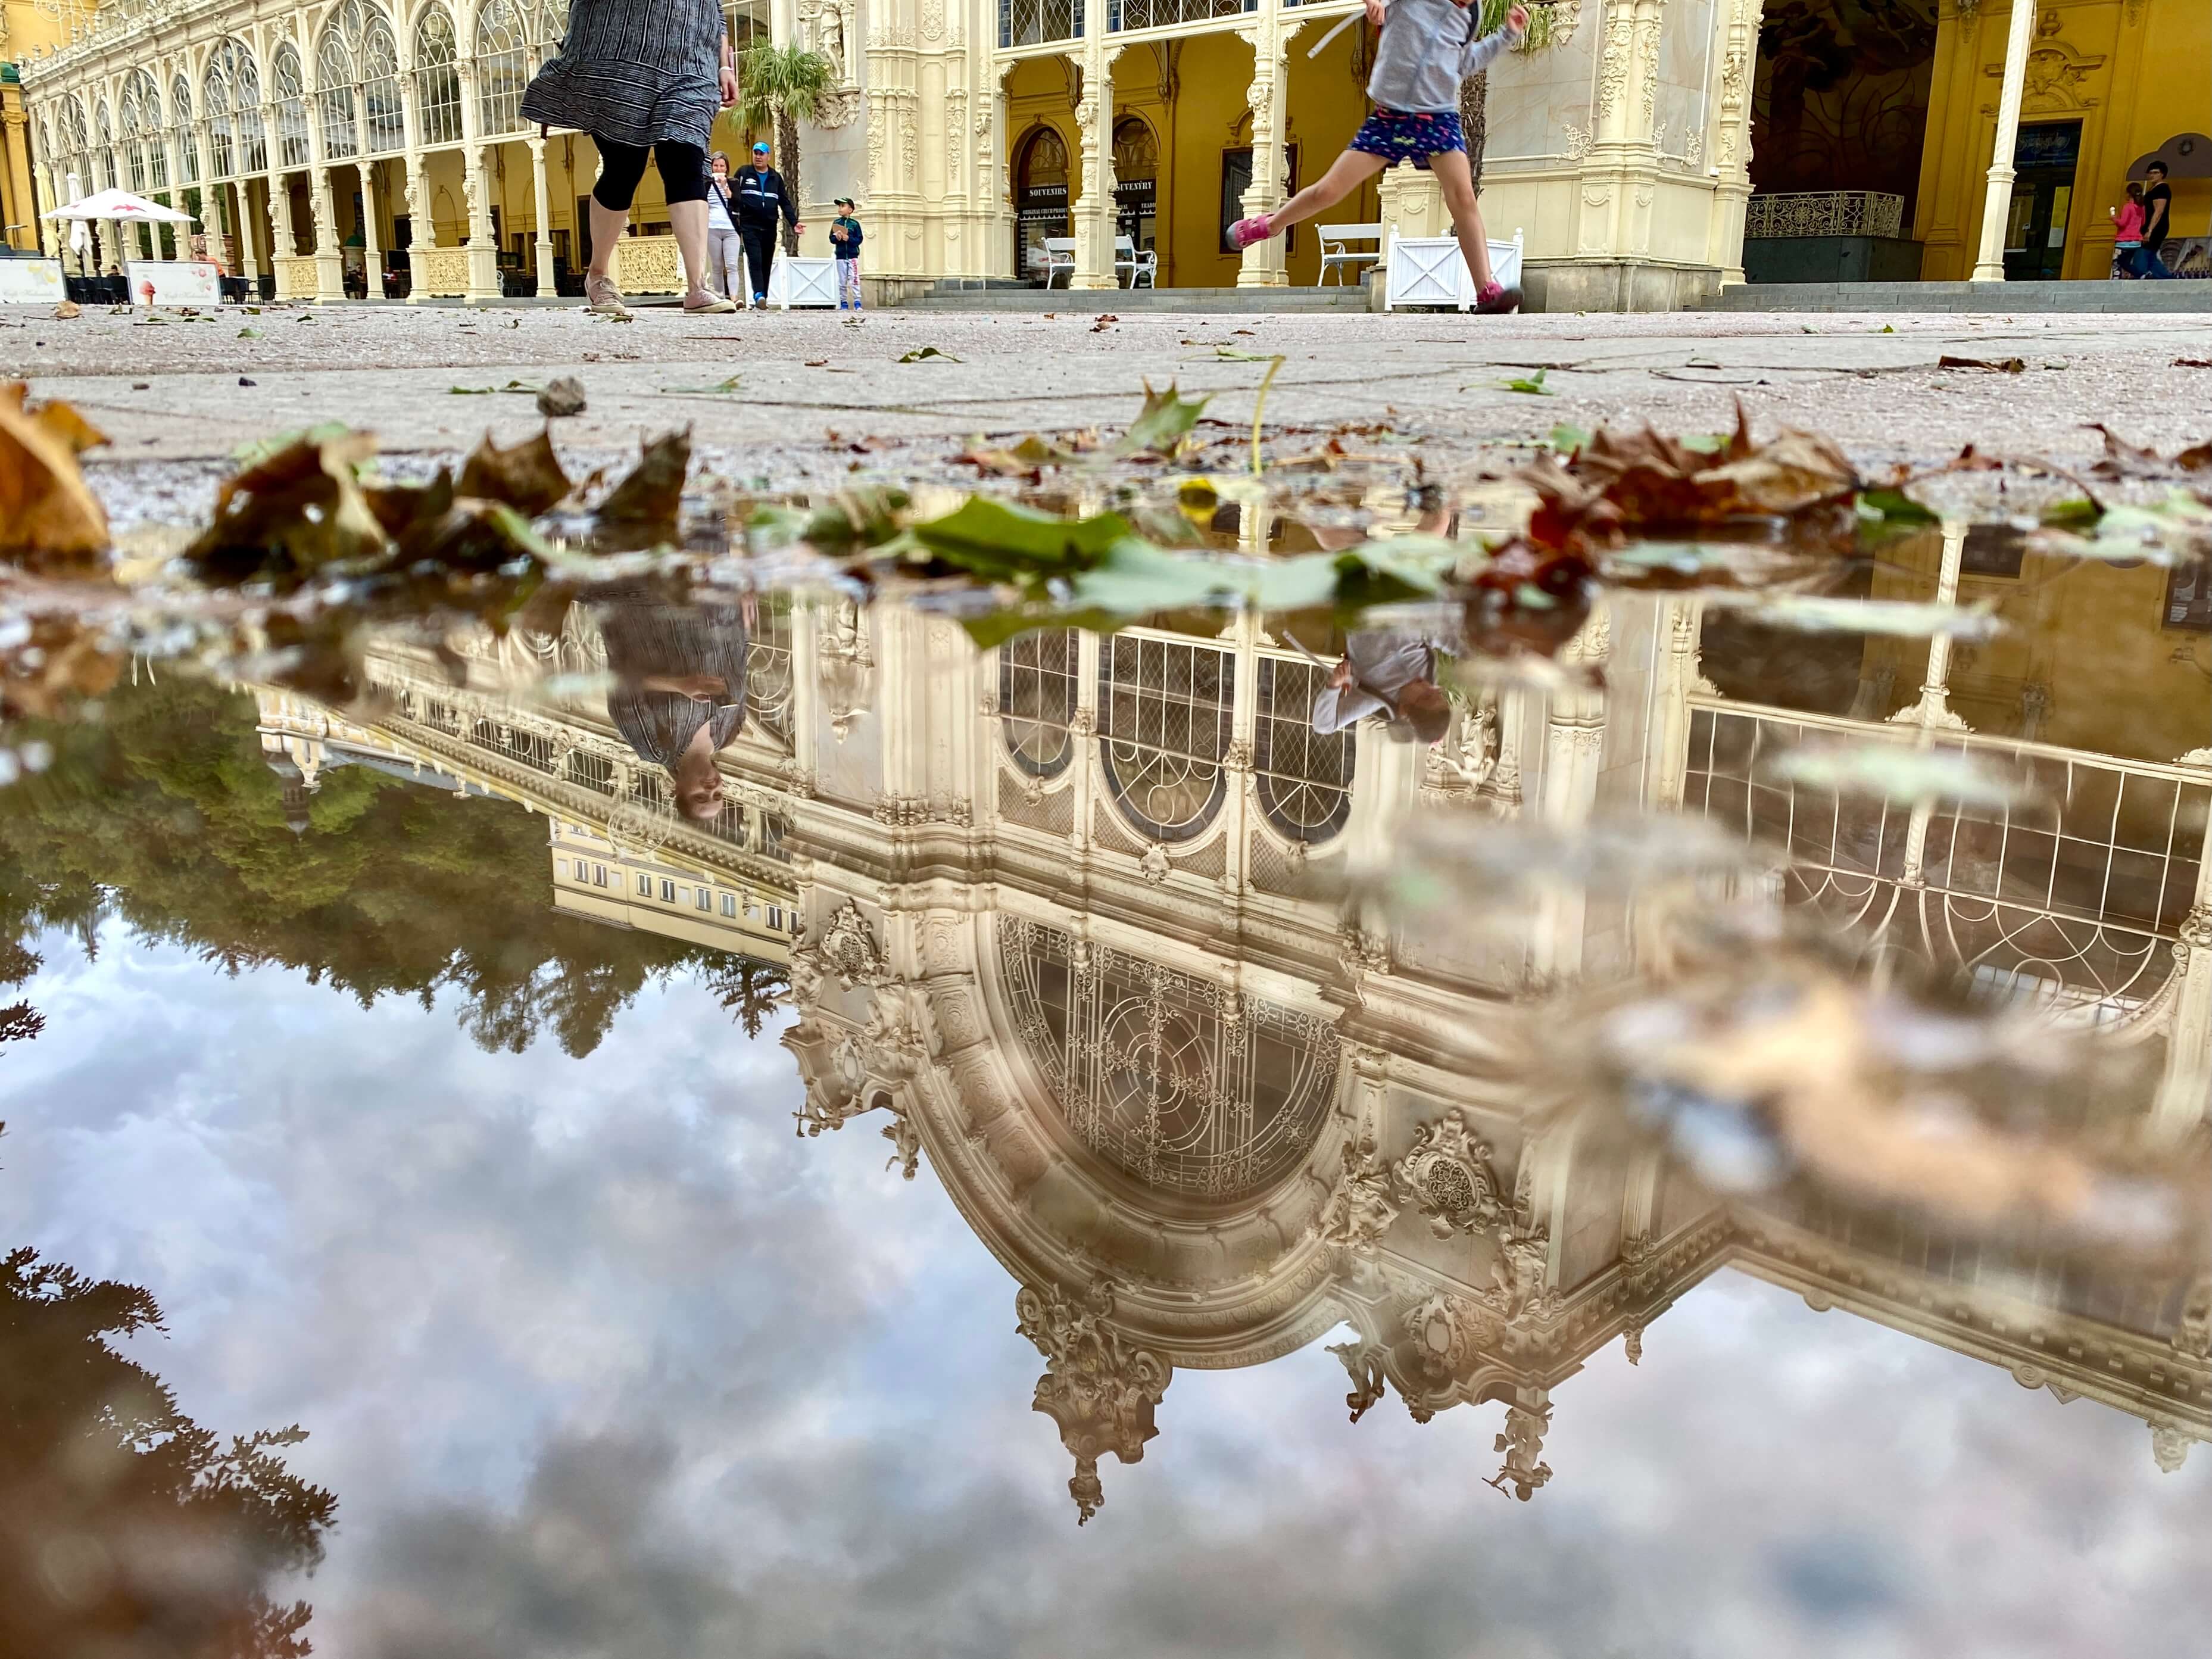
683	172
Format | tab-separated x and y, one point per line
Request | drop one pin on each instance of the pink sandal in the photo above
1245	232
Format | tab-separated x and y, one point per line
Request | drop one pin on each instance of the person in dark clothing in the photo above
679	695
761	196
2158	222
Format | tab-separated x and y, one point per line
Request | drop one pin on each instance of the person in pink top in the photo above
2128	232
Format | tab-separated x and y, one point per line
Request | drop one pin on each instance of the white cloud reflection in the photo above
600	1359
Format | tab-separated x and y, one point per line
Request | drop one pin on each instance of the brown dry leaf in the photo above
2122	459
1646	483
68	310
1994	365
2192	362
292	510
654	489
60	658
47	510
527	476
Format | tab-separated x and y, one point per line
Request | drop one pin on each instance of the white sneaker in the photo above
600	295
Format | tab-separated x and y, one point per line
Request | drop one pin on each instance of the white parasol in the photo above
122	205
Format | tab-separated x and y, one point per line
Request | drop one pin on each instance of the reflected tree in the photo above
165	814
126	1529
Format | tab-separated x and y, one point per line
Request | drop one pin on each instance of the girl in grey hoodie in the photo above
1427	48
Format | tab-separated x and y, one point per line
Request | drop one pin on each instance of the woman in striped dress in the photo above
639	75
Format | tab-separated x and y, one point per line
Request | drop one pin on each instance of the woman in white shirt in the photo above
725	249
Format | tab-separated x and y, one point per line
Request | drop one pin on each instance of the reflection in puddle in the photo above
1253	977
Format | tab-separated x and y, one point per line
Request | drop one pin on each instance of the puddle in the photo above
1472	916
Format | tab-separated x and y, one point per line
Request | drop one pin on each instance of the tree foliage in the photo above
165	814
126	1529
779	87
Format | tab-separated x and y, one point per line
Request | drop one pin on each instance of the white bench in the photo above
1430	271
1139	269
1055	256
1337	255
1058	258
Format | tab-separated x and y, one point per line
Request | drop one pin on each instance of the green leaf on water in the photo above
249	334
997	541
1566	440
1532	384
1819	613
2078	513
1705	443
926	354
1893	507
248	455
1162	424
721	389
470	391
2160	532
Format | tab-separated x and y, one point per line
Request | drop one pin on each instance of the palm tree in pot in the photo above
779	87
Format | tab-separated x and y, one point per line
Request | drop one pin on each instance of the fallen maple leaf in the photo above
47	510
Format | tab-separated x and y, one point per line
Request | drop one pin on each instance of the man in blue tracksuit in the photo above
761	195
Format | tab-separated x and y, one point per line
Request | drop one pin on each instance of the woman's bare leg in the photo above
607	227
689	220
1346	175
1456	181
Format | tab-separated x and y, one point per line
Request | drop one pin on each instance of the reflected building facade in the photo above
1072	928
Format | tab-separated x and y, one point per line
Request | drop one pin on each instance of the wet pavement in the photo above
1490	1039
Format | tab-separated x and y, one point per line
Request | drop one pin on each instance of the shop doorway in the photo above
2043	159
1041	204
1136	182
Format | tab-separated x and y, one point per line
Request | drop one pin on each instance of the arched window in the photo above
1302	777
180	113
231	93
74	178
1177	1082
109	180
334	79
1164	720
145	163
290	90
437	81
357	68
552	30
502	68
1037	700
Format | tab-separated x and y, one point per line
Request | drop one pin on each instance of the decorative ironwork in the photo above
1164	726
1824	213
1037	700
1032	22
1164	14
437	77
2070	900
1175	1082
1304	777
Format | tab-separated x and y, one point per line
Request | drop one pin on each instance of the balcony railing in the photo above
1124	15
1824	213
2070	900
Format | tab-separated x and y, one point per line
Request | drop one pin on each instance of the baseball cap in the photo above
842	201
761	148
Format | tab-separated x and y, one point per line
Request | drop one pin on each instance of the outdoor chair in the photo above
1136	269
1337	253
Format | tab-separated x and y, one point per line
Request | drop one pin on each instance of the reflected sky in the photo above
599	1357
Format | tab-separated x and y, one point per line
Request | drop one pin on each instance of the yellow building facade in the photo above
340	147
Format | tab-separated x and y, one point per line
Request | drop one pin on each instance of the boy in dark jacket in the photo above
845	238
761	195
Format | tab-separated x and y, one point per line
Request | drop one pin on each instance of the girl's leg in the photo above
689	220
1457	180
1346	175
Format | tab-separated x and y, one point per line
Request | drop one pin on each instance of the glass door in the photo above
2043	159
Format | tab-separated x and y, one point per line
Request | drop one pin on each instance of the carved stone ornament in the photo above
1446	1334
1448	1177
847	951
1516	1277
2169	1445
1098	1388
1362	1362
1522	1443
1360	1210
1154	866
